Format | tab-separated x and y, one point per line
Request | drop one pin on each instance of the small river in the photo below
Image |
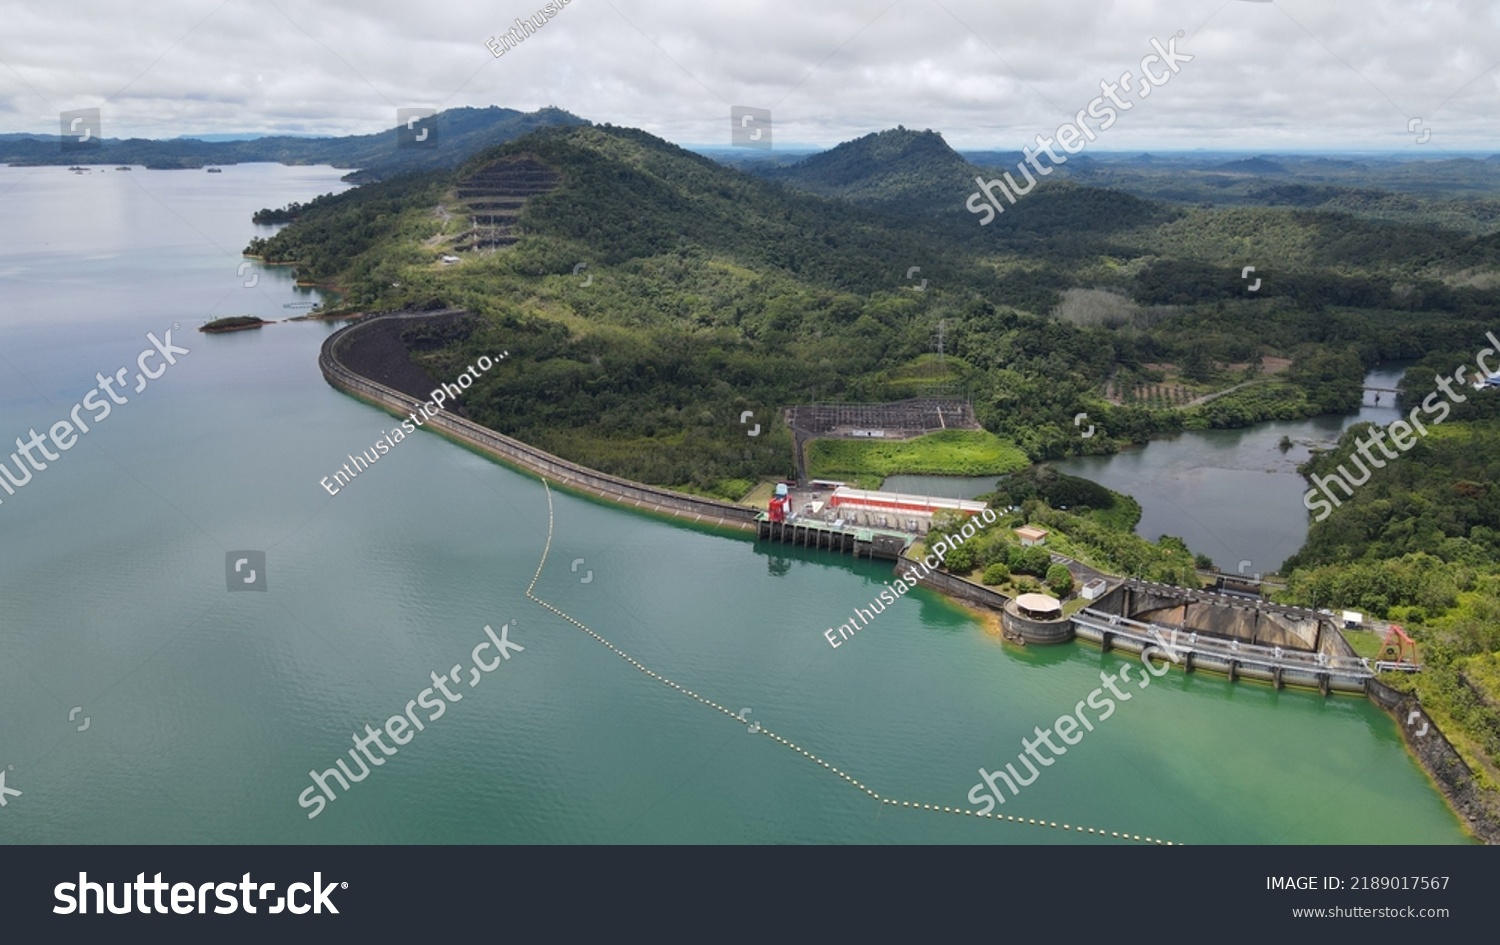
1233	495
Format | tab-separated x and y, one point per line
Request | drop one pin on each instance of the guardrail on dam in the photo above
1278	665
555	469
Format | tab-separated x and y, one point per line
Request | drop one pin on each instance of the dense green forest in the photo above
1438	498
714	291
1419	544
334	233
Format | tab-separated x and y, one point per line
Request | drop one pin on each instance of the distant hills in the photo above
461	132
1255	165
916	173
909	173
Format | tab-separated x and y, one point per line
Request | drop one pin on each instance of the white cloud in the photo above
1282	75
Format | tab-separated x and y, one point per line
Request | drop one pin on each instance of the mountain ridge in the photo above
461	132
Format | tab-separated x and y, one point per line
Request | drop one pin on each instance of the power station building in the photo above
863	500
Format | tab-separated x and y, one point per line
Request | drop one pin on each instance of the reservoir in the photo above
1233	495
145	699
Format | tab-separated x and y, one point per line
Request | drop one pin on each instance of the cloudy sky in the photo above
1287	74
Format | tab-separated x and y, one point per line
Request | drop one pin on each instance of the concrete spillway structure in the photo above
1285	646
1230	616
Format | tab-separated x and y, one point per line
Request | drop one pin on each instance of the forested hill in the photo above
709	291
461	132
650	299
898	168
916	173
626	195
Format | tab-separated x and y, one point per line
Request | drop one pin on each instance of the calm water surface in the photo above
1233	495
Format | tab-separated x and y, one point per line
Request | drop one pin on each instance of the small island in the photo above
233	323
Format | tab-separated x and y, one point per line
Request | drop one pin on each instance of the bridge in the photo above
1279	665
1236	578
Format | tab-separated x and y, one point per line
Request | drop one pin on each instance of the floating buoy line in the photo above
757	728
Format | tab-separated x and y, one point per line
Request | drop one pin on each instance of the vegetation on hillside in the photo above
1058	490
1419	545
995	555
351	240
713	291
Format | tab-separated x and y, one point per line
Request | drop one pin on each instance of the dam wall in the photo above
512	452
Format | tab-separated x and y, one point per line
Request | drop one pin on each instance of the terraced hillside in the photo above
492	198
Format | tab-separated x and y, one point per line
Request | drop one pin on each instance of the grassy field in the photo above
1365	642
759	497
949	453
